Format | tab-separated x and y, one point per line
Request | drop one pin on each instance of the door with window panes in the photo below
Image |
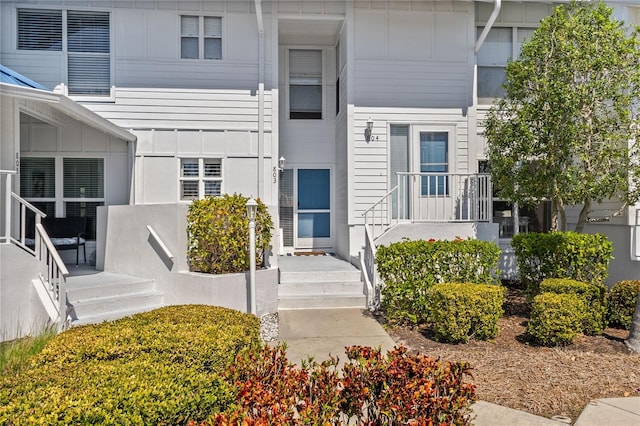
64	186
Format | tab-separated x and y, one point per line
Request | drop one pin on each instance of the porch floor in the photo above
313	264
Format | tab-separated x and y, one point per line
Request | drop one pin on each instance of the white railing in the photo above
433	197
160	242
16	231
369	270
52	287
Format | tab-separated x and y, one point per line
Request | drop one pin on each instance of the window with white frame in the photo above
434	159
497	50
87	46
82	189
200	37
305	84
200	177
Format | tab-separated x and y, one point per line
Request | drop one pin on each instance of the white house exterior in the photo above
209	97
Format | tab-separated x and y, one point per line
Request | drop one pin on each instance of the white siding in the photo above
414	58
370	161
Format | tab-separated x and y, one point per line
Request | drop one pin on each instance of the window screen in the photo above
37	177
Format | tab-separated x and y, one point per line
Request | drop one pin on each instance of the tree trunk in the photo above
554	215
633	341
563	215
584	215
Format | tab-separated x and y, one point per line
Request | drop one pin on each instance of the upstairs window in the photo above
200	37
497	50
39	29
200	177
305	84
87	47
89	60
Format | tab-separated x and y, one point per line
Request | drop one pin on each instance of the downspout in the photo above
258	4
492	19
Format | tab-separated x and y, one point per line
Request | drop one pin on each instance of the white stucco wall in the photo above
130	249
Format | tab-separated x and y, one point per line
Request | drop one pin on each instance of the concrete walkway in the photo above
320	332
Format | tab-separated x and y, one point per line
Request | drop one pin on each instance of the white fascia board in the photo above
68	107
81	113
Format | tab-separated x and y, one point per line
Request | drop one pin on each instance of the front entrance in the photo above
313	213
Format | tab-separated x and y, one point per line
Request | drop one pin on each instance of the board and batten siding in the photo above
414	58
371	159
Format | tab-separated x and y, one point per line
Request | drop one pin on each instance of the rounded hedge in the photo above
621	303
556	319
158	367
462	311
593	296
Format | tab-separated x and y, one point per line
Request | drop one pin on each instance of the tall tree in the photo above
567	128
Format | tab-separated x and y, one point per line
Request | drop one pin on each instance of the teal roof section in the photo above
9	76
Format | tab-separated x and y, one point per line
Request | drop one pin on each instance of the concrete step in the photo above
125	302
110	316
121	286
322	301
298	277
320	288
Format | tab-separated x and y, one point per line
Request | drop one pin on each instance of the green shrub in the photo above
621	303
556	319
218	233
372	389
582	257
156	367
409	268
462	311
593	296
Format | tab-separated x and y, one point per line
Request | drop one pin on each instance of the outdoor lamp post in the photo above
252	209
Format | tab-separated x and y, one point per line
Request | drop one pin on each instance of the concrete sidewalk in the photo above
319	332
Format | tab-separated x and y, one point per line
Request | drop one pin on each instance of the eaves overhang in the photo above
68	107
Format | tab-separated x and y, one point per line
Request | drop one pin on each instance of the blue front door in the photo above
314	208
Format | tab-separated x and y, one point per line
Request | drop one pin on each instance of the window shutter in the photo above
37	177
212	168
39	29
89	62
189	31
83	177
497	47
305	67
212	26
305	84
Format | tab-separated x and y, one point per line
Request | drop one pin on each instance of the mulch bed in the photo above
544	381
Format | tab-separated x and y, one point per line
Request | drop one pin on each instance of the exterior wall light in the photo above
368	129
281	163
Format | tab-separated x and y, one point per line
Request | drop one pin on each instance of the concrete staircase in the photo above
313	282
105	296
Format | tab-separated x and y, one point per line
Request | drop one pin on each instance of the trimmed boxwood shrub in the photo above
556	319
621	303
159	367
593	296
462	311
218	234
582	257
409	268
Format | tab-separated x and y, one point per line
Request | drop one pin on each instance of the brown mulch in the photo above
543	381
